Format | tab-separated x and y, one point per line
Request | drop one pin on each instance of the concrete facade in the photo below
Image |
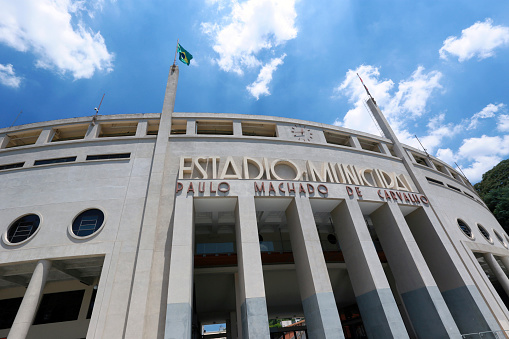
238	219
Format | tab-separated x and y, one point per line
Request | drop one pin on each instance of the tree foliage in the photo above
494	190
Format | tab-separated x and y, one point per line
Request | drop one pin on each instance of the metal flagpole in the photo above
176	50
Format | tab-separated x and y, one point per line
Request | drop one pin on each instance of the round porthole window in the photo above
485	233
87	223
465	229
499	237
332	239
22	229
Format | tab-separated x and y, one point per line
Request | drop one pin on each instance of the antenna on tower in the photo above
460	169
99	107
425	151
367	91
16	118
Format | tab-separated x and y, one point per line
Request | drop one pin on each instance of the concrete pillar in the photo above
231	326
462	297
44	136
505	262
180	284
320	311
497	270
147	286
238	320
425	305
237	128
28	308
354	142
141	129
379	311
255	321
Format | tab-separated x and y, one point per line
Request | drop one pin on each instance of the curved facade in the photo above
151	225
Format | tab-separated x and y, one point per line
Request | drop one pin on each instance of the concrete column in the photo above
238	320
93	131
320	311
191	127
462	297
425	305
237	128
255	321
379	311
179	316
28	308
497	270
141	129
4	140
233	326
44	136
354	142
145	306
505	262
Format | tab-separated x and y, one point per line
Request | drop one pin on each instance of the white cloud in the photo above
8	76
503	123
482	153
260	86
251	27
487	112
481	39
44	28
401	107
473	148
447	155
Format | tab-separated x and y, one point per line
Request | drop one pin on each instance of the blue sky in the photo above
438	69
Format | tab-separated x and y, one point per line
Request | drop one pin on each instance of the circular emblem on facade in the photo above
302	133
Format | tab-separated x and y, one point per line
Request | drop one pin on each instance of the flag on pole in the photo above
184	55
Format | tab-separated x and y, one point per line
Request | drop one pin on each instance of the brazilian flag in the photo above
184	55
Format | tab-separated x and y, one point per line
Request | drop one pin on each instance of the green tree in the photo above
494	190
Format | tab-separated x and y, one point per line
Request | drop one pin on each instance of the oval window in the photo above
499	237
484	233
87	222
465	228
23	228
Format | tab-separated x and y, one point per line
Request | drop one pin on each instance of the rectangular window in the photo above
109	156
454	174
59	307
454	188
178	126
258	129
23	138
118	129
337	138
440	167
391	149
8	310
153	127
9	166
74	132
470	196
54	161
216	127
420	160
370	145
433	181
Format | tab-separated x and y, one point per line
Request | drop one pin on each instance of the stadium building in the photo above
153	225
